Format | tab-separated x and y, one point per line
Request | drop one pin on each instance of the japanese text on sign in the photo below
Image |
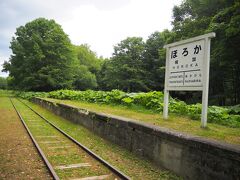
185	65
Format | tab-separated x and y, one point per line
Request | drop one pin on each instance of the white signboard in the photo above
187	69
185	65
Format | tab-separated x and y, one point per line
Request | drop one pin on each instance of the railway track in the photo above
65	157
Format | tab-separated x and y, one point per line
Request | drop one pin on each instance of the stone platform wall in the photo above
188	156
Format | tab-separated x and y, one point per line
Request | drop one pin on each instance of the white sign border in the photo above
205	66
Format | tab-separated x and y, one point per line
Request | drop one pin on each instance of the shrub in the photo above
151	101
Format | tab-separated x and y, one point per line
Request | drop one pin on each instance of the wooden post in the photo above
205	83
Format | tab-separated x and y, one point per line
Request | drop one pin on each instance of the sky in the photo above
99	23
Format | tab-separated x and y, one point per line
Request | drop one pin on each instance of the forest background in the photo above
44	59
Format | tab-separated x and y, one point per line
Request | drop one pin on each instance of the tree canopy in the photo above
196	17
86	67
154	59
41	57
125	69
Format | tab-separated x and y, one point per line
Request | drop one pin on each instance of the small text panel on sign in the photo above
185	65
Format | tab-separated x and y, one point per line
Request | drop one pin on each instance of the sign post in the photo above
187	69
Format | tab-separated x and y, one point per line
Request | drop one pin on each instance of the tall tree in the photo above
193	17
41	57
196	17
83	78
125	69
154	59
87	66
225	56
88	58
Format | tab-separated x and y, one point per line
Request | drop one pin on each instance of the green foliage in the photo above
225	58
151	101
29	95
84	79
86	67
125	69
154	60
41	57
3	83
88	58
4	93
196	17
234	109
127	100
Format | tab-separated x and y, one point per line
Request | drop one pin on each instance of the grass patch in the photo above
5	93
177	123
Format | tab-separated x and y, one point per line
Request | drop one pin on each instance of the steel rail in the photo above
95	156
49	166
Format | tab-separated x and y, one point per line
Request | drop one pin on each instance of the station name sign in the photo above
185	65
187	69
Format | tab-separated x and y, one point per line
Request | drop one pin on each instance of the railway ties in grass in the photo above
66	158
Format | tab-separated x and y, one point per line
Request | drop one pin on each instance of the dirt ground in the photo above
18	156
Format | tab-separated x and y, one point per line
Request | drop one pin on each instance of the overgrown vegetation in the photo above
127	162
152	101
